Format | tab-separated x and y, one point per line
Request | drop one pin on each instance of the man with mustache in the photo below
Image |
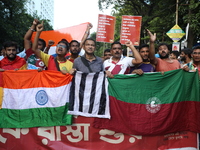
118	64
74	47
145	66
185	57
196	59
11	61
164	63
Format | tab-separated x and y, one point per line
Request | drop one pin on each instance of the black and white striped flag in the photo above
89	95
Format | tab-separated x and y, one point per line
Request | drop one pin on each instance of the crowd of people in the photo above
67	59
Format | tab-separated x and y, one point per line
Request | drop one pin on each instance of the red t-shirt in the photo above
163	65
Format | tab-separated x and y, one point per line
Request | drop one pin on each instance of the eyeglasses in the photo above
63	46
196	53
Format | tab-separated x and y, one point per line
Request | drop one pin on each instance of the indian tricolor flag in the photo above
153	103
32	99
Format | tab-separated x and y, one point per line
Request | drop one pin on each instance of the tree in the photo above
190	12
100	46
15	21
158	16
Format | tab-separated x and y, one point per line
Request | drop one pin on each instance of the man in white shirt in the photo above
118	64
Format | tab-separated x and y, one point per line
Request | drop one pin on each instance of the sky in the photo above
68	13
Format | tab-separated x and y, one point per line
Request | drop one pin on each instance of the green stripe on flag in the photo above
173	86
35	117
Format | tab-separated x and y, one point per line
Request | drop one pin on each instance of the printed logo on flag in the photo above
41	97
153	105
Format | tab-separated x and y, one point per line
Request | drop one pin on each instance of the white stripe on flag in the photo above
88	88
77	82
75	103
36	97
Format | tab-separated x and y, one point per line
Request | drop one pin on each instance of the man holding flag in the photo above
118	64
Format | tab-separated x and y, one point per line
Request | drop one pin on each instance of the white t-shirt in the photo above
121	67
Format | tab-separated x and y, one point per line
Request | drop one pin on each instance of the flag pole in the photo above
177	1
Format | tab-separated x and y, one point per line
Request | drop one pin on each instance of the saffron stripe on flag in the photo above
87	95
23	79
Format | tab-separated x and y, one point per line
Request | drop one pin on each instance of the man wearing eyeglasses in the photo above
75	47
58	63
196	58
118	64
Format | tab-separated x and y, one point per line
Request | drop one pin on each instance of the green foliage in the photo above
100	46
15	22
158	16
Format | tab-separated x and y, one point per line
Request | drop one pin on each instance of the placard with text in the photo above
105	28
130	29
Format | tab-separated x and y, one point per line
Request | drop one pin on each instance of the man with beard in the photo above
185	57
118	64
145	66
164	63
196	58
11	61
88	62
74	47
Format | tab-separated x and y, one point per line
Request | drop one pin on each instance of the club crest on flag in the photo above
153	105
41	97
41	63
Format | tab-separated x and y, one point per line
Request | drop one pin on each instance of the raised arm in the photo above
50	43
136	54
87	33
152	39
39	29
28	35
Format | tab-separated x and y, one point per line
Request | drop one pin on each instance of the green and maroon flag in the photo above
153	103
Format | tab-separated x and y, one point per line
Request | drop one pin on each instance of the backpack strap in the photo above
57	65
85	62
